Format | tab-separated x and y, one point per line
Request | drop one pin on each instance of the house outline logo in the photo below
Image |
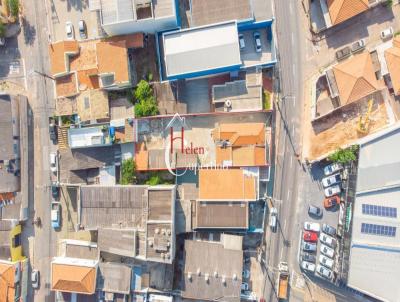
178	122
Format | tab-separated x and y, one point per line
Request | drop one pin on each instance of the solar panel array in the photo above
376	229
382	211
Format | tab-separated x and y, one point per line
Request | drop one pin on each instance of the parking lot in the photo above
63	11
249	55
329	216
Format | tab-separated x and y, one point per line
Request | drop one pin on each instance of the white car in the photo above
387	33
308	266
312	226
331	180
332	191
244	286
324	272
242	45
246	274
257	41
325	261
69	29
328	240
35	279
327	251
332	168
309	247
273	217
53	162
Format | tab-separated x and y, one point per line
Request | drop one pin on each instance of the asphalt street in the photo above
33	43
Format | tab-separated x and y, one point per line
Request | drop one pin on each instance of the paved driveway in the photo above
61	11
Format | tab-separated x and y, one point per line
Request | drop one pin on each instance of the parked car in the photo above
273	218
387	33
312	226
331	202
55	215
53	132
324	272
325	261
257	41
332	190
331	180
327	229
35	279
314	210
2	41
246	274
308	257
332	168
242	45
309	247
358	45
327	251
308	266
343	53
244	286
310	236
53	162
82	29
55	191
69	29
328	240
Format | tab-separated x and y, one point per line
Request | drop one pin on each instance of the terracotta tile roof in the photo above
60	53
112	57
132	40
355	78
341	10
392	57
73	278
7	282
66	86
227	184
88	79
241	134
141	156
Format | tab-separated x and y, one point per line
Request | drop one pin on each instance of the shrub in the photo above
145	102
389	3
2	30
154	180
14	7
128	172
344	156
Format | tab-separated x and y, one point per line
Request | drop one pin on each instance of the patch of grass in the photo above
389	3
157	179
397	33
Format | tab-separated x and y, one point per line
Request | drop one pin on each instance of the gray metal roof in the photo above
115	11
217	263
374	251
114	278
117	241
202	48
379	163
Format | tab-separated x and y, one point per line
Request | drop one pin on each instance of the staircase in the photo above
62	138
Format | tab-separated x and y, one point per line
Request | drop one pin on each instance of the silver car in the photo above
327	229
327	251
309	247
69	29
324	272
325	261
331	180
328	240
35	279
332	191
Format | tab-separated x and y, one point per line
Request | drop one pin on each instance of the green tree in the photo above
344	156
2	30
128	172
143	91
14	7
389	3
145	102
147	107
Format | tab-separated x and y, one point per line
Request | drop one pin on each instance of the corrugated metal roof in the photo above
201	49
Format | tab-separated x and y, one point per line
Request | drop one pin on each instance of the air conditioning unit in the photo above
228	104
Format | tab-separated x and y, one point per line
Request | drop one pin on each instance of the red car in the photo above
310	236
331	202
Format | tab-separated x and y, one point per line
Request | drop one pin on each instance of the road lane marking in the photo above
288	195
292	130
291	162
291	7
284	226
299	248
292	37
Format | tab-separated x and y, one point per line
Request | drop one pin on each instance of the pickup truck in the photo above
283	280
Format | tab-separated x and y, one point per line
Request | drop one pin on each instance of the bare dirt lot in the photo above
340	128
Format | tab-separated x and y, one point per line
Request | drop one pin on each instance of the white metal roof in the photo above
375	252
201	48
